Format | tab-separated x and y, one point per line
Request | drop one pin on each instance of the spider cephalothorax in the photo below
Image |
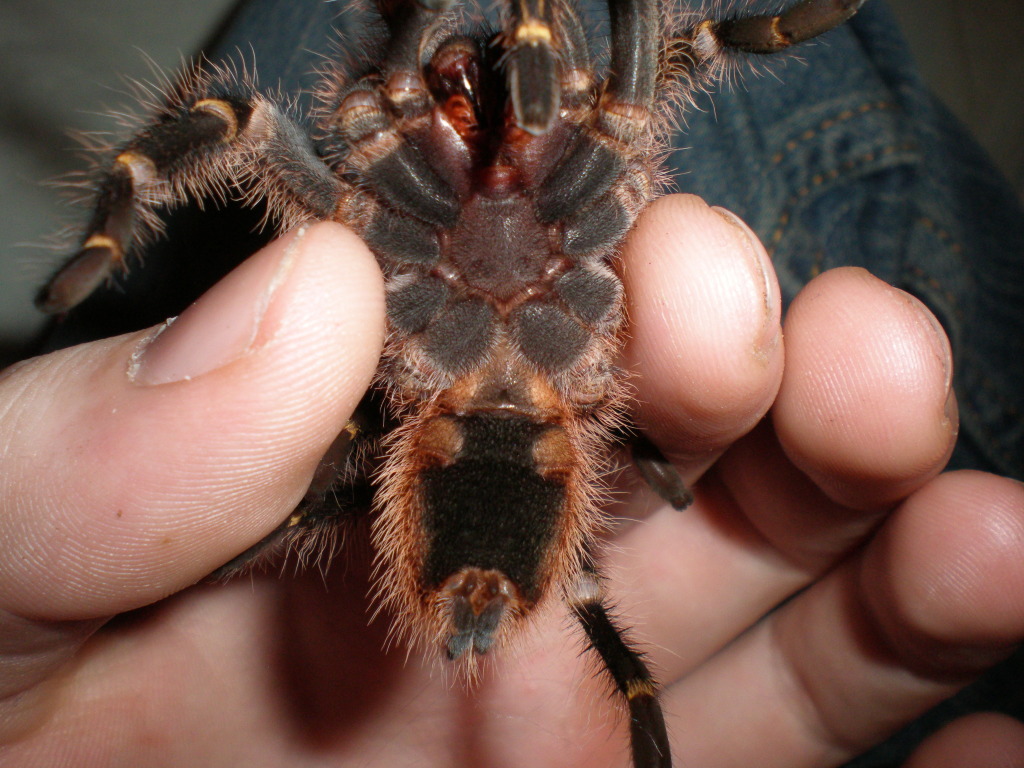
494	175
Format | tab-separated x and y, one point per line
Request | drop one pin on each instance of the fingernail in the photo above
764	274
223	325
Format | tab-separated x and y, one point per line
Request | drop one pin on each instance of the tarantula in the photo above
494	175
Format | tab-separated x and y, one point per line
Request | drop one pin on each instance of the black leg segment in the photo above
658	472
597	159
648	737
532	66
636	40
770	34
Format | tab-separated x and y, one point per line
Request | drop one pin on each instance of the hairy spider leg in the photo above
531	64
618	126
575	70
627	670
658	472
773	33
395	170
696	47
214	133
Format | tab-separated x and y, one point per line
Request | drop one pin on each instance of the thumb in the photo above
136	465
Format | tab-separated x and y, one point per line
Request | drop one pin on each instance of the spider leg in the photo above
772	33
658	472
532	66
410	25
648	737
371	120
699	45
395	170
577	82
215	132
306	529
600	154
635	41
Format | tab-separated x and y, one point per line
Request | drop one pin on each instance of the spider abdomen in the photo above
486	500
492	507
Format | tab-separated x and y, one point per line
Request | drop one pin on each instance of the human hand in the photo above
116	494
133	467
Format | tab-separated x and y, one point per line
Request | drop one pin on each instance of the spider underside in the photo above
494	175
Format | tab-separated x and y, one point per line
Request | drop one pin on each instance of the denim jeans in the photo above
843	157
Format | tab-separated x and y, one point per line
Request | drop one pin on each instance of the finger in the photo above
135	465
866	407
933	600
705	339
865	415
763	529
984	740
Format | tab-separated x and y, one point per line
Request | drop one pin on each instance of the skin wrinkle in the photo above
710	567
32	659
816	672
805	708
776	498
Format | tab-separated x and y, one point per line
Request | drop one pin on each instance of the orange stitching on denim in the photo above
944	236
831	122
946	239
817	263
820	178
